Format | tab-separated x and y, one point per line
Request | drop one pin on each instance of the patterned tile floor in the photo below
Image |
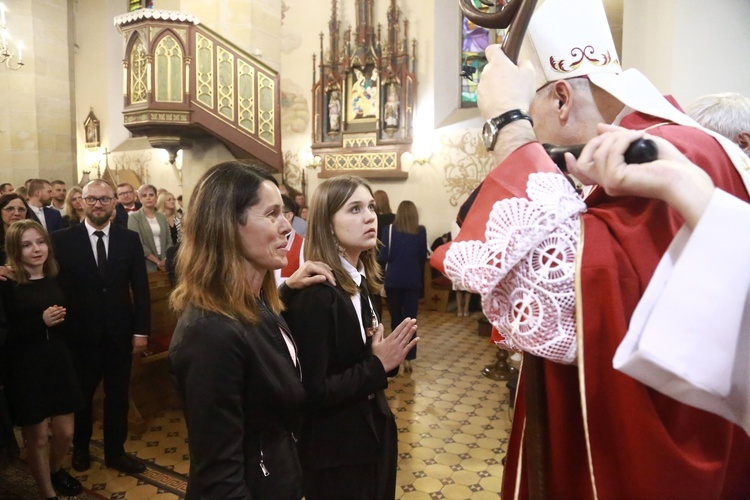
453	426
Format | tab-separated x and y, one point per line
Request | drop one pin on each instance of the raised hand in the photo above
392	350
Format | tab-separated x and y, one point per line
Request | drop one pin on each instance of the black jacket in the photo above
118	305
343	379
242	399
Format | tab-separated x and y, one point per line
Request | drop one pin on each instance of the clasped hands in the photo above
53	315
392	350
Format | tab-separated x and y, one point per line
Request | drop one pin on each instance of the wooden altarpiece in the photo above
364	93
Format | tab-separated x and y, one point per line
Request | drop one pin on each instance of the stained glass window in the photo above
140	4
474	39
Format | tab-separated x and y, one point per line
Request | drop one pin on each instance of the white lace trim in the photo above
525	268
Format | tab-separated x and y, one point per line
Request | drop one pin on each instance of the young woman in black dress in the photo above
348	444
40	381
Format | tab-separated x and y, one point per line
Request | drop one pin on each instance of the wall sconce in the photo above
308	159
420	158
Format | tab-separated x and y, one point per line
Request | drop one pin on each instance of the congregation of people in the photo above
75	309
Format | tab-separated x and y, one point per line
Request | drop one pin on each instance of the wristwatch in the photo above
493	126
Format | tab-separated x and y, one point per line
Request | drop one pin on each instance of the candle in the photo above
20	52
2	14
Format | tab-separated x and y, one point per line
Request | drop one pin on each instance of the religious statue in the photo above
392	104
334	112
364	93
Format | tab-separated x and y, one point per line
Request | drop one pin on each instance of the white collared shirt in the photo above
94	239
357	275
39	212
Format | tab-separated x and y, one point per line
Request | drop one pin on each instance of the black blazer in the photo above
52	217
344	381
242	398
96	306
121	215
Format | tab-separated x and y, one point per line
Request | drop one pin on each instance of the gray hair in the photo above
727	114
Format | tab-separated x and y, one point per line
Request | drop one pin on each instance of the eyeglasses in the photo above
104	200
10	210
124	192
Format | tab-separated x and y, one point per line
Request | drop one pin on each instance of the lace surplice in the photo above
525	268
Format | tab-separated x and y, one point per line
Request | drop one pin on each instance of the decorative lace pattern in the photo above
165	15
525	268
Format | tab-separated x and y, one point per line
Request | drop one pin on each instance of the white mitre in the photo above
571	38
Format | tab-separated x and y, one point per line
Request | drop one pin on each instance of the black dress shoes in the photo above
65	484
81	460
125	463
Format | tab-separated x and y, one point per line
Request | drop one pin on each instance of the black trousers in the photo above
108	361
403	303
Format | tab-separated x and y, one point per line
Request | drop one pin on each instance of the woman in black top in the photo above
40	381
232	355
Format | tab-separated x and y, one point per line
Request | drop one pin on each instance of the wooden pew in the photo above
151	387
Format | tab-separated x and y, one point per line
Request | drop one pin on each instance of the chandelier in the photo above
12	59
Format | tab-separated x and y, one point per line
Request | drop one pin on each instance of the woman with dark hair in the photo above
233	358
404	254
40	381
151	225
348	444
13	208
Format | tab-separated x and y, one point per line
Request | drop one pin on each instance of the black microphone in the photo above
640	151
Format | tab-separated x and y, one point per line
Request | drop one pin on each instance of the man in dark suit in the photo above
40	196
100	264
126	204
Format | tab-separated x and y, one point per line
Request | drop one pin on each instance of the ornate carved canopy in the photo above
364	93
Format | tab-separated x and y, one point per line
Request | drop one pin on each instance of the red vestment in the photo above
609	435
293	256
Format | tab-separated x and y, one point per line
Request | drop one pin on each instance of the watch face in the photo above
489	135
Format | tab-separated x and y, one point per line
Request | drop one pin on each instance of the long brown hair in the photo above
14	251
382	204
407	218
320	241
210	261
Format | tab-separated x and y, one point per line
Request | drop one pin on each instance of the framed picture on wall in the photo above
91	131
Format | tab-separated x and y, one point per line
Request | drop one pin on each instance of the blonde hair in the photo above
407	218
14	251
320	240
68	209
162	200
211	260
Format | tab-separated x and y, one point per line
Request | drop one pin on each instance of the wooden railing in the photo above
181	80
